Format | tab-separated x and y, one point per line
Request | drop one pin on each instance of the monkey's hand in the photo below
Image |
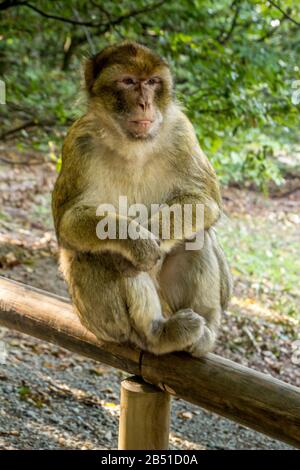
78	230
145	250
202	214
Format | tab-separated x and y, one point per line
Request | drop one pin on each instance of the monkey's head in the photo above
133	85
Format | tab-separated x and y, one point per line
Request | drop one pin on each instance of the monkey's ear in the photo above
89	73
94	65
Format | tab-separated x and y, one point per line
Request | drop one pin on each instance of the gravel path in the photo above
53	399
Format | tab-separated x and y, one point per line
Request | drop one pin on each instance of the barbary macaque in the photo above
134	140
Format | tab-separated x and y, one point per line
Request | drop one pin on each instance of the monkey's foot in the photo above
179	332
204	344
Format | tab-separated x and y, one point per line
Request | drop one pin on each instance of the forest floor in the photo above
53	399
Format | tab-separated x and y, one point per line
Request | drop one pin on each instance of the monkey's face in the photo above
134	86
136	106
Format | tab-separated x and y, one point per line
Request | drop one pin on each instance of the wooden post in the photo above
144	416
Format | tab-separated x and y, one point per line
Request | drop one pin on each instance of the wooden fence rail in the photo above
251	398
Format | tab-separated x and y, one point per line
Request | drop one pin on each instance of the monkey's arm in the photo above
75	213
194	214
197	196
77	230
197	183
211	212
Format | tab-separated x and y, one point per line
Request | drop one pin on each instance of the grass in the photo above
265	260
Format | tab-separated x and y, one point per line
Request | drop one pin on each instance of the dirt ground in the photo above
54	399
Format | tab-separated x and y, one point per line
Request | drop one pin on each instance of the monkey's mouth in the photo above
143	124
140	128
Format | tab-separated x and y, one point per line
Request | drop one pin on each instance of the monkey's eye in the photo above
153	81
128	81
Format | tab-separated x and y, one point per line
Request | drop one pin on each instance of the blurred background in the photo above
237	72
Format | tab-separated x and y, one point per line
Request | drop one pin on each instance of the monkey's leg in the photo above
126	309
198	280
96	292
150	330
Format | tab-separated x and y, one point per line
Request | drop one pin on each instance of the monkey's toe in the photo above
190	325
204	344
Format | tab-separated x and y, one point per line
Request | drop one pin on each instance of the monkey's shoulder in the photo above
81	139
187	145
71	181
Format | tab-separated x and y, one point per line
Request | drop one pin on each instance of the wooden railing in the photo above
256	400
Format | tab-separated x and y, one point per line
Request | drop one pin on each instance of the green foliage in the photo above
267	260
235	63
254	163
24	392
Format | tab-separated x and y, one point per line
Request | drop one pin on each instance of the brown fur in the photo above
119	286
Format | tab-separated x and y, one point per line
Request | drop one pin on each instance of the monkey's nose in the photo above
143	105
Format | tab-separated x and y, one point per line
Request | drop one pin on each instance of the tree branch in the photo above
12	3
285	14
214	111
272	31
9	4
26	125
132	14
227	36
